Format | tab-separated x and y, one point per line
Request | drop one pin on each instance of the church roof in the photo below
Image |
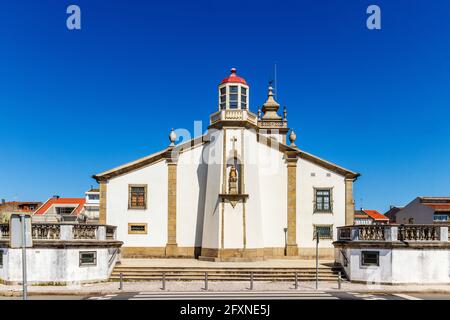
234	78
167	153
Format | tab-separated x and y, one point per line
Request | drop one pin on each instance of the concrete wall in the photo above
47	265
399	266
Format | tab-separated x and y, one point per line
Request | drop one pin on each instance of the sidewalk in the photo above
197	286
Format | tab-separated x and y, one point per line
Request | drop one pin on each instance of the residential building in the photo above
92	205
392	213
425	210
59	209
365	216
9	207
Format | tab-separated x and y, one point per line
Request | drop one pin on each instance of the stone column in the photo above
291	245
171	246
349	203
102	207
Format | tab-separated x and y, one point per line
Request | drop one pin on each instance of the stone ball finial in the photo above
259	113
172	137
292	138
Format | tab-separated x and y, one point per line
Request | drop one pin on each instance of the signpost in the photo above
21	238
317	259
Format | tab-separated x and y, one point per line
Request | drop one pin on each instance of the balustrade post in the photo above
101	233
443	234
390	233
66	232
355	234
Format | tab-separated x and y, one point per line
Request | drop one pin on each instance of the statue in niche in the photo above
232	181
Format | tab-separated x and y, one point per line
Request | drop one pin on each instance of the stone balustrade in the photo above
233	115
66	231
391	232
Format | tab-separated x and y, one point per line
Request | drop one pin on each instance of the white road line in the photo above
238	298
232	292
405	296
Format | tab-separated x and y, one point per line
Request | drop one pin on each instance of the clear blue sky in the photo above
75	103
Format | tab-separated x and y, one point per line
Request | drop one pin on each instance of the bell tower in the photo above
233	92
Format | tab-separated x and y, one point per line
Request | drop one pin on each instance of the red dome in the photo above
234	78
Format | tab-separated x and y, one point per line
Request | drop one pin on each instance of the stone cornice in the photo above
393	244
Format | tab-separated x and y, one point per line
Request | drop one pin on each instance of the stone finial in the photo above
284	113
292	138
172	138
270	107
259	113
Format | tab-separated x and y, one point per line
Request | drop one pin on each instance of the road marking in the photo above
105	297
234	296
405	296
366	296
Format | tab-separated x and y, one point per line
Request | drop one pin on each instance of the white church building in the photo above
239	192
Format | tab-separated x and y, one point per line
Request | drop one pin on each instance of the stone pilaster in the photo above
349	203
291	244
171	246
102	207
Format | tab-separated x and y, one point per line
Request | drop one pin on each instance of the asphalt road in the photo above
300	295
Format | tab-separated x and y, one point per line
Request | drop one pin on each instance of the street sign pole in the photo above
317	259
24	257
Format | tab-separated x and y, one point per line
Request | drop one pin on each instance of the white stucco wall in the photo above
267	186
306	218
212	222
155	215
55	265
424	266
191	189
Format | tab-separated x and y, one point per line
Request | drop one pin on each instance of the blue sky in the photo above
75	103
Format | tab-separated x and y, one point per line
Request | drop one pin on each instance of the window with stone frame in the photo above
325	232
370	258
137	196
323	201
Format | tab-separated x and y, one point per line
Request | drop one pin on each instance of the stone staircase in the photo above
151	273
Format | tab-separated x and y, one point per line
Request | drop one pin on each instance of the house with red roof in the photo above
9	207
365	216
425	210
59	209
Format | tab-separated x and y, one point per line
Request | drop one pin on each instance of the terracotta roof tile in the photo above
52	201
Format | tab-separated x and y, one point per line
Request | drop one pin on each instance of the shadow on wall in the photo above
202	173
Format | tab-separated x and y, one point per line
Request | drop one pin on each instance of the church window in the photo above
223	97
137	197
137	228
323	202
325	232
